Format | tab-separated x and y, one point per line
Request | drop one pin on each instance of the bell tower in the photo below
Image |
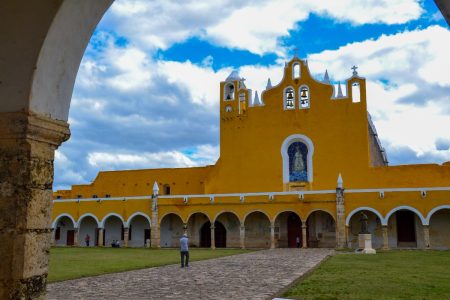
234	96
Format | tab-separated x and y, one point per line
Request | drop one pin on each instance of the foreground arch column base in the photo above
27	145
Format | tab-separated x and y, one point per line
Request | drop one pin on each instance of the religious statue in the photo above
364	223
298	161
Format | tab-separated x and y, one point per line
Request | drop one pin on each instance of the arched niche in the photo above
297	167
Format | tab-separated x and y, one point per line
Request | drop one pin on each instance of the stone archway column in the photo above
213	237
340	218
347	236
304	236
76	236
242	236
272	235
384	232
426	236
100	237
126	235
27	147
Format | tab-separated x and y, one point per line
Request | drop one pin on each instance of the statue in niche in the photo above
298	160
298	170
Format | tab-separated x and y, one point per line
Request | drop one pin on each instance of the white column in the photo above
75	237
426	236
304	236
126	234
384	232
272	235
100	237
213	238
242	236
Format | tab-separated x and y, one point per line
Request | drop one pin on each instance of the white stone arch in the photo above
55	222
300	96
322	210
296	65
170	213
223	212
138	213
285	98
436	209
102	223
87	215
376	212
196	212
284	154
257	210
286	211
405	207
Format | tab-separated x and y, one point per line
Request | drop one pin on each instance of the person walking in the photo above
184	251
87	239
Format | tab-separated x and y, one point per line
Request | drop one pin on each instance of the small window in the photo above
296	71
304	97
79	196
107	196
229	92
58	197
166	189
356	92
289	98
94	196
228	108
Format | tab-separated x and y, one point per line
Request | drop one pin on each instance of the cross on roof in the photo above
354	70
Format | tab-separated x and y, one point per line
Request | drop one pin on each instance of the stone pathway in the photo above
256	275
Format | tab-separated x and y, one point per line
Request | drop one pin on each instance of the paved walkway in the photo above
256	275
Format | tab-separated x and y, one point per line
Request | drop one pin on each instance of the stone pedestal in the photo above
365	243
27	146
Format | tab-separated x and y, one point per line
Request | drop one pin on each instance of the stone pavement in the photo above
256	275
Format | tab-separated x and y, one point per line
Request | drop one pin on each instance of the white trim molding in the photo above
138	213
437	208
55	222
87	215
102	223
284	154
362	208
406	207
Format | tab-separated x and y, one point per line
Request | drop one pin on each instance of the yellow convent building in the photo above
301	162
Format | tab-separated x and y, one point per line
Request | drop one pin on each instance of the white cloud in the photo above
251	25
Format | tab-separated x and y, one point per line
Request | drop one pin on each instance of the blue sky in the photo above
147	91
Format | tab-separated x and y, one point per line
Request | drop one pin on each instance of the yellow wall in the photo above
251	161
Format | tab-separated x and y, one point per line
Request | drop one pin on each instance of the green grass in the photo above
386	275
70	263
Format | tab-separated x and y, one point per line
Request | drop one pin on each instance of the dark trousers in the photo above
184	255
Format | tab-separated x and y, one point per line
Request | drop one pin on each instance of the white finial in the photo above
256	100
269	84
340	182
155	188
326	78
234	75
339	93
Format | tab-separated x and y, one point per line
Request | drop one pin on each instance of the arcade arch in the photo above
288	227
257	230
65	231
321	229
171	229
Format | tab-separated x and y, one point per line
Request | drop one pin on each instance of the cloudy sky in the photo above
147	91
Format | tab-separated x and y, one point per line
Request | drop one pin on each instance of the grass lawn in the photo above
70	263
386	275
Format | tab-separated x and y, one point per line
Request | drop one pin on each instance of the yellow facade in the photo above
281	154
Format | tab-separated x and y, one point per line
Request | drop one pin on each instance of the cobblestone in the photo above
256	275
